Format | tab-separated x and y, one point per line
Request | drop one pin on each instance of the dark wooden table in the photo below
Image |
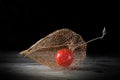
14	66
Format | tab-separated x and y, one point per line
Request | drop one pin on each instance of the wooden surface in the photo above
16	67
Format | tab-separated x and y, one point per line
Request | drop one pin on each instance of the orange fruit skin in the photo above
64	57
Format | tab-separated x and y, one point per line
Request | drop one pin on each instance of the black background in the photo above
22	23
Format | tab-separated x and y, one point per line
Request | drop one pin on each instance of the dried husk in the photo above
45	49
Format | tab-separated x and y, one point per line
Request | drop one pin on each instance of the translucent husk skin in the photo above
45	49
